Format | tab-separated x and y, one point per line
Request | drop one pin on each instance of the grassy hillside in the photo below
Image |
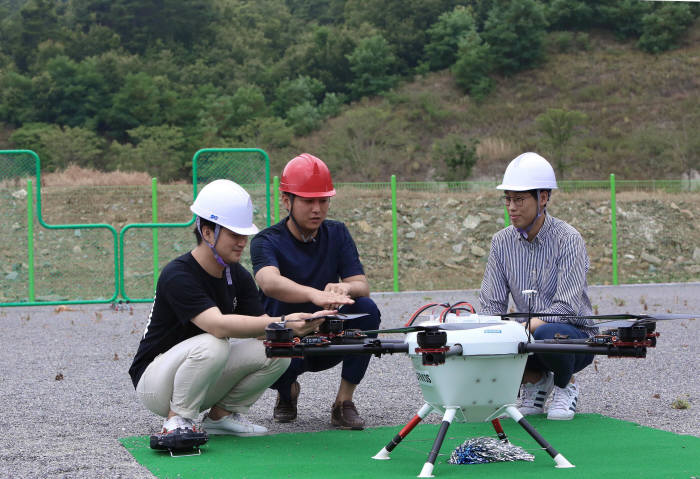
643	115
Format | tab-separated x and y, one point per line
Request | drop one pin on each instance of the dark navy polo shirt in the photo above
331	257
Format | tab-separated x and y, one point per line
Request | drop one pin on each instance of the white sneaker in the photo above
234	424
533	396
563	406
178	422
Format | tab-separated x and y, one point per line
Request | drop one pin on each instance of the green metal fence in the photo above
107	244
69	263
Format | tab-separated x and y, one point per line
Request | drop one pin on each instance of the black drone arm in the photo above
298	350
610	349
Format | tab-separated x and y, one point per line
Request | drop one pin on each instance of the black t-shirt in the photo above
183	291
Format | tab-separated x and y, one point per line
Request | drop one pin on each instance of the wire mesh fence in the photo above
443	229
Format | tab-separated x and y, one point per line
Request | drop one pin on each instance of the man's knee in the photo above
278	365
550	330
364	304
210	349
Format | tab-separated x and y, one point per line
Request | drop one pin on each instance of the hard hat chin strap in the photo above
540	211
304	238
212	246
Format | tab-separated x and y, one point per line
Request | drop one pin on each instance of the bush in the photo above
303	118
59	147
458	154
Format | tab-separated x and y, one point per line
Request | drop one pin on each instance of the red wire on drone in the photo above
452	308
418	311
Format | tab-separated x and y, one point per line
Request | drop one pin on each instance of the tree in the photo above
76	92
473	66
140	23
558	127
17	98
445	37
155	149
624	17
38	22
515	30
570	14
403	23
324	56
662	28
142	101
291	93
371	64
59	147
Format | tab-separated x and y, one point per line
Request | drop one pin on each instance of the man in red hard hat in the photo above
307	263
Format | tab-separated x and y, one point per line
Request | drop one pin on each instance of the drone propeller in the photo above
605	317
340	316
435	327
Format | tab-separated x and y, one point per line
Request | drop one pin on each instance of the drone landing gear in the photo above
560	460
512	411
447	418
420	415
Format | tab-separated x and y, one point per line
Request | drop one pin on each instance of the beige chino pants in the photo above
204	371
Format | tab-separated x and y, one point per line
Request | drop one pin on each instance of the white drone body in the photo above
483	378
478	381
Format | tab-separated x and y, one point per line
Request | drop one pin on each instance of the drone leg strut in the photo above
560	460
422	412
499	430
427	470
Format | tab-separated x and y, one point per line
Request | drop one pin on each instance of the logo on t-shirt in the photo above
235	302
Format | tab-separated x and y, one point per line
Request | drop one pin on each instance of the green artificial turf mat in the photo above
597	445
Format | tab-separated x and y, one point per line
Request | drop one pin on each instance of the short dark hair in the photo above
202	224
534	193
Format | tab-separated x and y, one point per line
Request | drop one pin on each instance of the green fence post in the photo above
154	219
276	196
506	216
30	238
613	221
394	234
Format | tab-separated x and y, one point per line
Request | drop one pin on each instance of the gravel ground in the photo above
66	396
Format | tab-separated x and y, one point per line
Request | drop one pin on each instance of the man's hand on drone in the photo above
331	299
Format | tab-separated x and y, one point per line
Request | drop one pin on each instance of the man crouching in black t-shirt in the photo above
186	362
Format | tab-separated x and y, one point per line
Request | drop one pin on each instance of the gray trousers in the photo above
204	371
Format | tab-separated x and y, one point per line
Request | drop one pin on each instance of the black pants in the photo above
354	366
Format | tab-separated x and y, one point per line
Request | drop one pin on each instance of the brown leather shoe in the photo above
287	411
344	416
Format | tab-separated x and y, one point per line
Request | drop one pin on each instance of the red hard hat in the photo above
308	177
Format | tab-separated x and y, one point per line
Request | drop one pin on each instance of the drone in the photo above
469	366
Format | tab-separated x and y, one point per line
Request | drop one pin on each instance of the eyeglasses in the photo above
516	200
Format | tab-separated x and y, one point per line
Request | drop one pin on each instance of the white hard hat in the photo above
227	204
528	171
